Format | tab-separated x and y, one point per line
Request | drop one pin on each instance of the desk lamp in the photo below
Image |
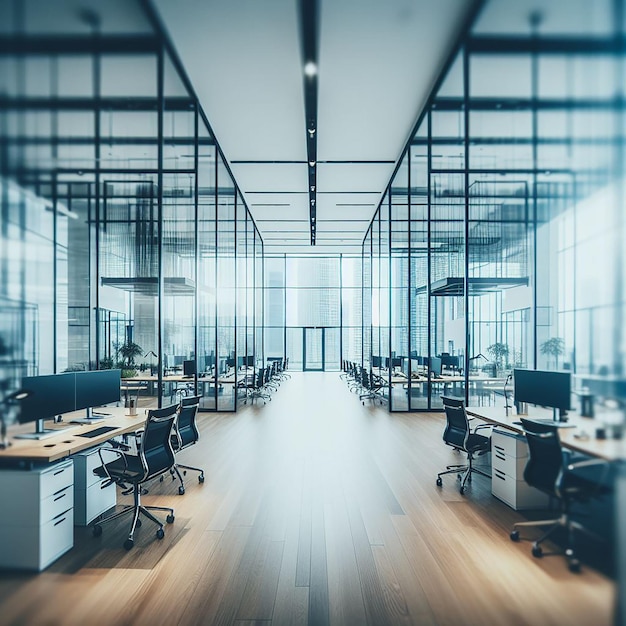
152	353
20	394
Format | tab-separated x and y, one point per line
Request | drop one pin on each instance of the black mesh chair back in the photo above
259	378
545	463
457	426
155	451
186	429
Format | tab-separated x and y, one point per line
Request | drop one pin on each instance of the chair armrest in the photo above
587	463
482	426
120	453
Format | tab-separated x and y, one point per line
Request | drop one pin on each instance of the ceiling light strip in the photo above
309	14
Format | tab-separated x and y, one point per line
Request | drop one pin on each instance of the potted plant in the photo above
553	347
127	352
499	353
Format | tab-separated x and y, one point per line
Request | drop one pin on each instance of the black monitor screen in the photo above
375	361
250	360
230	361
189	367
551	389
49	396
209	361
97	388
435	366
396	361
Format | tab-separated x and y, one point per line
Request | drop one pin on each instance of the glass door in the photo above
313	349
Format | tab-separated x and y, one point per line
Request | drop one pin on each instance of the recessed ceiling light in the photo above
310	69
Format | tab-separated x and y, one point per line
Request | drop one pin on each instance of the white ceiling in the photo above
377	63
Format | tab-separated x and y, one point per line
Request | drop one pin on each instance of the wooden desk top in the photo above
68	442
607	449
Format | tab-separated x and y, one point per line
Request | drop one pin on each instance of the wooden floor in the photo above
315	510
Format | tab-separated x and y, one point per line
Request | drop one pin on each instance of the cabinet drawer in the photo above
57	537
508	443
92	502
35	547
516	493
55	478
58	502
510	465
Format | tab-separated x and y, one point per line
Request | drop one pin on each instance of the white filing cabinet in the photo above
37	525
509	454
90	500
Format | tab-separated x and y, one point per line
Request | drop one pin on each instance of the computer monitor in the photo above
178	360
230	361
189	367
250	360
209	361
435	366
376	360
550	389
240	361
97	388
396	361
49	396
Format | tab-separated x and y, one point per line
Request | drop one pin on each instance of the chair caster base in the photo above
160	534
128	544
170	519
439	482
514	535
536	551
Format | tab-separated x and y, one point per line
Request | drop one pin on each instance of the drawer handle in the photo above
502	458
500	477
61	520
59	472
60	490
498	447
61	496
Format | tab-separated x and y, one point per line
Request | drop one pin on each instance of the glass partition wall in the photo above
499	243
120	220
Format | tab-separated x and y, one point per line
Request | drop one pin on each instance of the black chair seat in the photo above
477	442
130	471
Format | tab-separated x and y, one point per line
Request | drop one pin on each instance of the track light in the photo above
310	69
312	163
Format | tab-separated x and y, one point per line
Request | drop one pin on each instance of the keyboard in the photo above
98	431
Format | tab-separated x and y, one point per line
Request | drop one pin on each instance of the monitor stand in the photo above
40	432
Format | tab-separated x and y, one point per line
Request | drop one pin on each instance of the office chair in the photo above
548	471
185	434
459	435
154	457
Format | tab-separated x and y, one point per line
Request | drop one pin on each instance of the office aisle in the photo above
315	510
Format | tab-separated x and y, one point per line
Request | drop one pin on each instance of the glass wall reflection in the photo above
507	215
119	218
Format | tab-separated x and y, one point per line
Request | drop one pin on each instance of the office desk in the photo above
56	447
44	486
509	453
606	449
